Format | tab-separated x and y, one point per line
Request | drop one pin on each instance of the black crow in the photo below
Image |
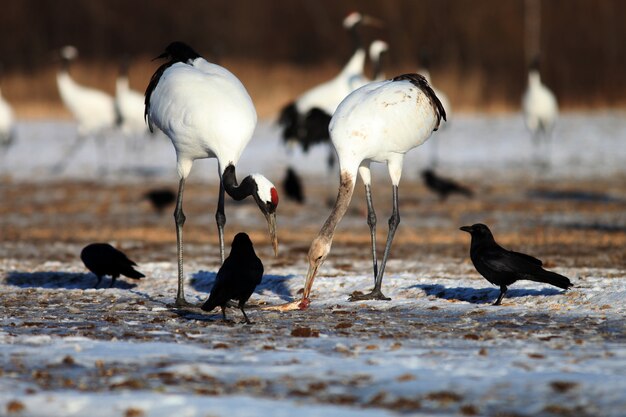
160	198
293	186
239	275
443	186
104	259
503	267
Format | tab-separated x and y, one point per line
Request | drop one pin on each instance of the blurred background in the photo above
478	50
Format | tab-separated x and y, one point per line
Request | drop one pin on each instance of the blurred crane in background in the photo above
93	110
7	124
541	110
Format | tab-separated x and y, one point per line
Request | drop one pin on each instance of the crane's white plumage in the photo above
207	113
94	110
539	105
7	123
380	122
205	110
130	106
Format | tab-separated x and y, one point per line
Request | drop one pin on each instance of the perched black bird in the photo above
103	259
503	267
443	186
239	275
160	198
293	186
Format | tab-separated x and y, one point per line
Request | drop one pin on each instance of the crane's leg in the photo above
59	167
503	290
364	172
220	219
112	281
103	159
394	221
371	222
179	217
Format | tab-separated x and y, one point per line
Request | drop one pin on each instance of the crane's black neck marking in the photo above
420	82
176	52
357	41
238	191
65	64
378	65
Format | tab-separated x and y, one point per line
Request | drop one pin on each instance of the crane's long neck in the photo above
357	40
320	247
378	66
534	79
344	195
235	190
121	84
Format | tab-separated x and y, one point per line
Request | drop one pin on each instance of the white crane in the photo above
305	120
207	113
93	110
7	125
377	50
379	122
129	105
541	110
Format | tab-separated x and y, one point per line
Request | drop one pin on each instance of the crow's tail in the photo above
552	278
130	272
209	305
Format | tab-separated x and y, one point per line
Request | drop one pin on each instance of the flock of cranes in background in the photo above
303	122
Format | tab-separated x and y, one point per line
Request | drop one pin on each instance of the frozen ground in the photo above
438	348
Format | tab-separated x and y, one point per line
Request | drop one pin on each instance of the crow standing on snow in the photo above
103	259
443	186
503	267
239	275
293	186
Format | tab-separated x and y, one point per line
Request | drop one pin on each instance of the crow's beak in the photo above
467	229
271	225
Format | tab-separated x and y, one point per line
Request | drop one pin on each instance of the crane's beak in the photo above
162	56
467	229
372	21
308	283
271	224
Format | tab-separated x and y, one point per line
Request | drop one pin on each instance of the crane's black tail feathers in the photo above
420	82
130	272
552	278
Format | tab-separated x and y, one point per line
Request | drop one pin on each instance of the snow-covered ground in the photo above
582	145
438	348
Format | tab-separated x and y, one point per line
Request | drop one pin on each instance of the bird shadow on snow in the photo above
60	279
278	284
482	295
